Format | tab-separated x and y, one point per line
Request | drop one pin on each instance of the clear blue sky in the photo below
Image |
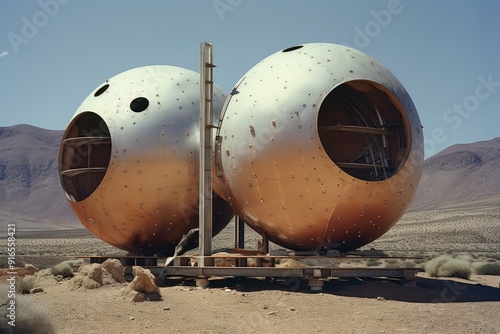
446	53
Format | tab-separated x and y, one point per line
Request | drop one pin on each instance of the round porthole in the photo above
101	90
139	104
364	130
293	48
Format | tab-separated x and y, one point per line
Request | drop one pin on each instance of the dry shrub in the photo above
31	318
26	284
466	257
447	266
488	269
373	263
391	262
4	262
64	269
409	264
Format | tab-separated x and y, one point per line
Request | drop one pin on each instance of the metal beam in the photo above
239	232
205	168
289	272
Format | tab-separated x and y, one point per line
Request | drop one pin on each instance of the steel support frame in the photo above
206	143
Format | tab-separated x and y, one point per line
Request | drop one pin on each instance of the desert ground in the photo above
284	305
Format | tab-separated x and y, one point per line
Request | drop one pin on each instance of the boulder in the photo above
115	268
93	276
88	276
142	287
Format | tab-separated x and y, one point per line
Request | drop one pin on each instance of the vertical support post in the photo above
206	138
239	232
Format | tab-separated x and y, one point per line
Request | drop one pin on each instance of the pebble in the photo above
131	318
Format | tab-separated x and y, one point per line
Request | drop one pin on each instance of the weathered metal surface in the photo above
128	159
320	146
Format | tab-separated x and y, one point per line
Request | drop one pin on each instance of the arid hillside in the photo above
461	175
29	182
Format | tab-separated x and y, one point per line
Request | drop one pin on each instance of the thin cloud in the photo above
5	53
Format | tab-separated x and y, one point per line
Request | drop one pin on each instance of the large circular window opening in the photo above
362	128
84	155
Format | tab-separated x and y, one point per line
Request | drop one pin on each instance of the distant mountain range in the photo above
461	175
29	181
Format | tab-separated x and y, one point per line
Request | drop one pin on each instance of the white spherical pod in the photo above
128	159
321	147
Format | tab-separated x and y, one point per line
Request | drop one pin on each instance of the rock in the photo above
45	278
93	276
92	271
142	287
36	290
88	276
137	297
115	268
223	259
290	263
107	278
31	269
144	281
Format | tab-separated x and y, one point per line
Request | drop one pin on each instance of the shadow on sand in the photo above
421	290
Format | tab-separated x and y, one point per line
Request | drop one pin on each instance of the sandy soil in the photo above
260	306
255	305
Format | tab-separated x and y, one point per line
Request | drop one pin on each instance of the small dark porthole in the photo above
293	48
139	104
101	90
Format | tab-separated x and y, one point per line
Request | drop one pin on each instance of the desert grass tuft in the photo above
64	269
447	266
488	269
26	284
4	262
373	263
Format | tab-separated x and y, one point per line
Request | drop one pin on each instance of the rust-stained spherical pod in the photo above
321	147
128	159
